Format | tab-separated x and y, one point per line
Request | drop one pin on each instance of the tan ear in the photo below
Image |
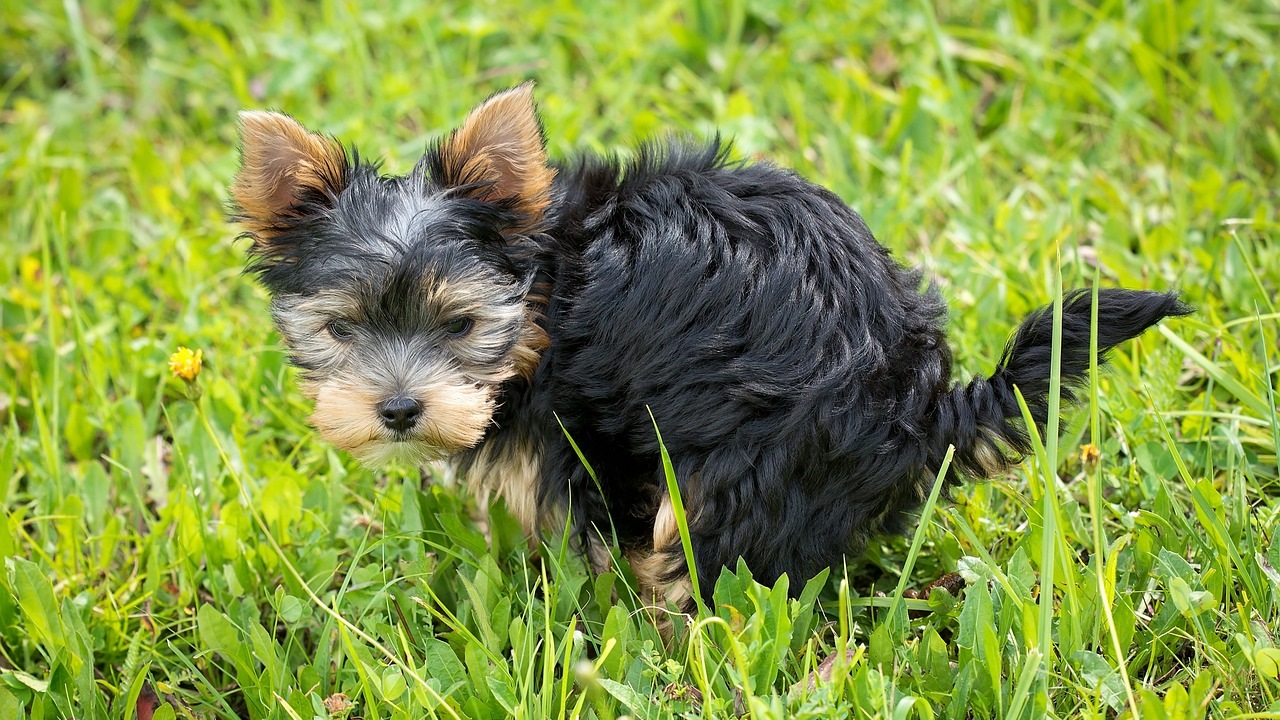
281	162
500	146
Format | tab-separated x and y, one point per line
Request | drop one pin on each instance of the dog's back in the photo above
799	375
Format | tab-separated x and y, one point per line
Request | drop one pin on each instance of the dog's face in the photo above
403	300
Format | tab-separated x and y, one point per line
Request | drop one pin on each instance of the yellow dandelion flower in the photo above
186	363
1090	454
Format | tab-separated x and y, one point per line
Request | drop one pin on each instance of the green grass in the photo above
214	548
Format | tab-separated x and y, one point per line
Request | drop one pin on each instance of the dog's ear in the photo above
499	155
285	170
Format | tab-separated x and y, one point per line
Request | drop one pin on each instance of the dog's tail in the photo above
983	420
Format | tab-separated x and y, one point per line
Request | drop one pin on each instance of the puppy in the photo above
490	302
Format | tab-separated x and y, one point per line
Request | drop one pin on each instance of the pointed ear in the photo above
500	149
283	166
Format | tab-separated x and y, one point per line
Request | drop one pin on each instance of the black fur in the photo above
784	354
800	376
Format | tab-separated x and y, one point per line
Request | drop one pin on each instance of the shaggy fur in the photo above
800	376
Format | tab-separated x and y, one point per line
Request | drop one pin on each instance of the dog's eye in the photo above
341	330
458	326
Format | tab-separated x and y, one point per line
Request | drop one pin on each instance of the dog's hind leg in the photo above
661	571
664	586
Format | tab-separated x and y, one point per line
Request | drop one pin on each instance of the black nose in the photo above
399	413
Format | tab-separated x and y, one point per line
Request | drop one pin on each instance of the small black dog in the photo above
799	375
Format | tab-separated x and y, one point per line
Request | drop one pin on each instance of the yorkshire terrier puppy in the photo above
799	375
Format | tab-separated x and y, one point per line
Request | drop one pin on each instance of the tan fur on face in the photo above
454	418
279	159
533	338
455	379
344	414
500	144
533	341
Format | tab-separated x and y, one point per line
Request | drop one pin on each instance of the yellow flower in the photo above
186	363
1090	454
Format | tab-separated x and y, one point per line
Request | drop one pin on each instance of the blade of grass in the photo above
897	619
1219	534
677	506
1274	418
1094	478
1250	399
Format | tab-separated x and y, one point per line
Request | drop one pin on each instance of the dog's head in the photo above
403	300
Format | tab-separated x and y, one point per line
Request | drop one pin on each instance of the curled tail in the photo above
983	420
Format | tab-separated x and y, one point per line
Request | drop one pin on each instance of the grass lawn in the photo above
199	552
